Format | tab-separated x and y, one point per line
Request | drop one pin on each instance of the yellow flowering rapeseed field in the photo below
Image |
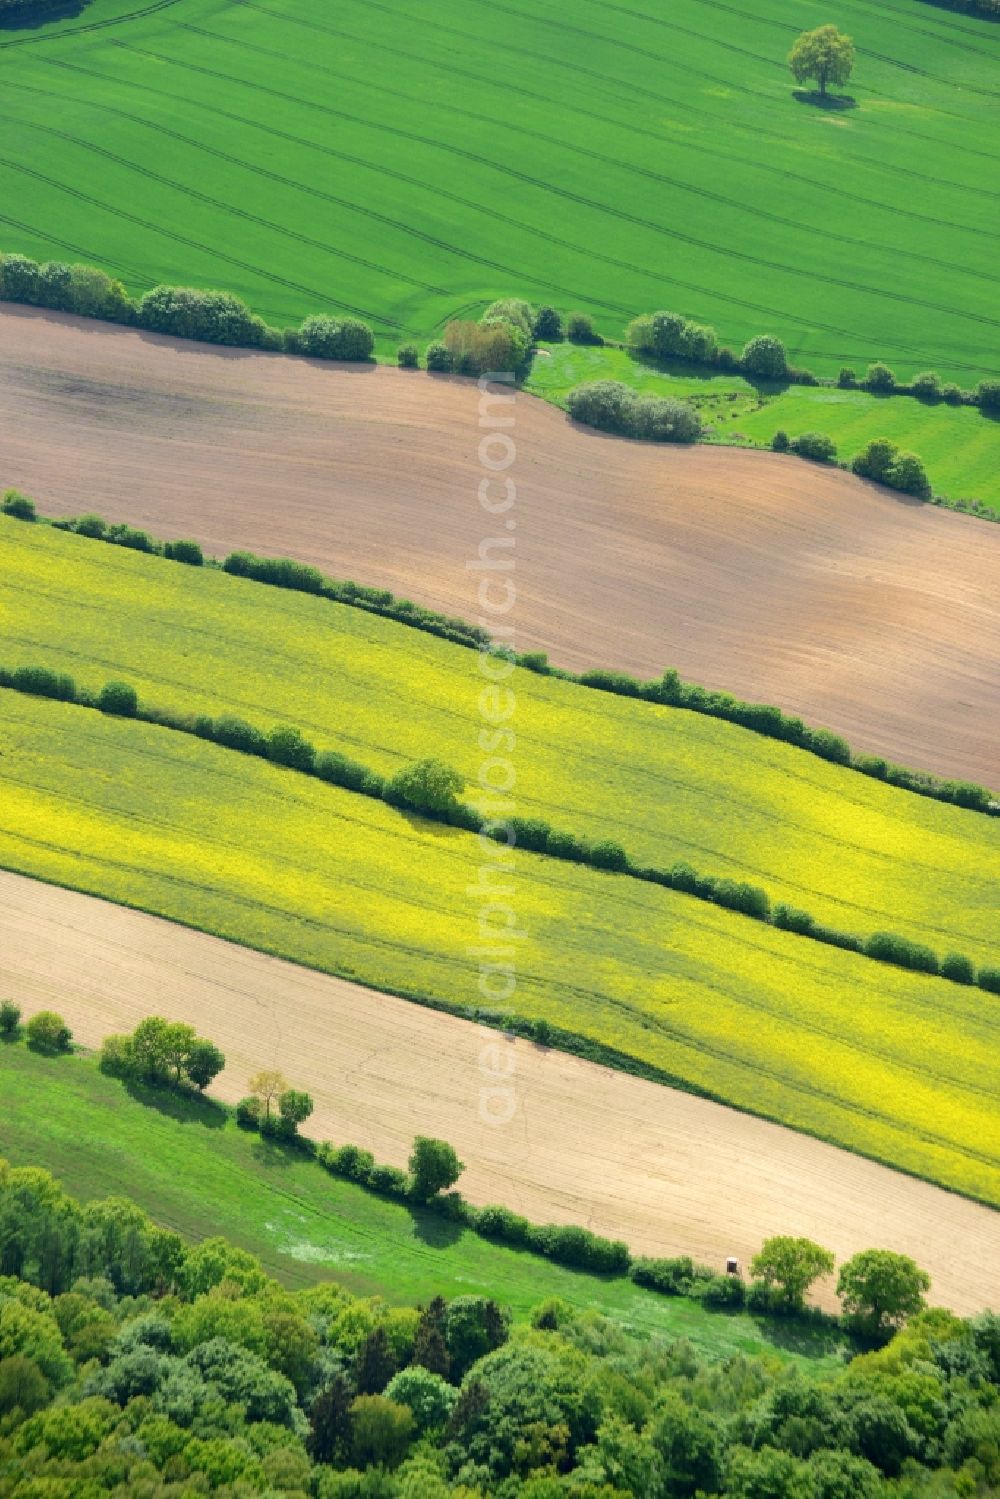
669	785
890	1063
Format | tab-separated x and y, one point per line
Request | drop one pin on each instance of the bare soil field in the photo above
668	1172
771	577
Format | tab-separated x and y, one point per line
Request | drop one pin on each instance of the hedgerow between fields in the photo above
430	789
626	972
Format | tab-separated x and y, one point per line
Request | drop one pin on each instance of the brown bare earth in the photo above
668	1172
771	577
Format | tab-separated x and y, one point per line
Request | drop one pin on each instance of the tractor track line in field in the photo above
550	188
55	36
750	209
183	239
840	192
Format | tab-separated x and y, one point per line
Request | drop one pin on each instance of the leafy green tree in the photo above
437	358
18	505
815	445
791	1265
875	459
768	1474
374	1362
23	1386
10	1018
204	1062
286	746
474	1326
425	786
295	1106
880	1289
434	1167
907	473
987	395
330	1424
880	379
382	1431
430	1345
580	329
689	1449
825	55
430	1398
765	357
48	1032
408	357
548	324
926	386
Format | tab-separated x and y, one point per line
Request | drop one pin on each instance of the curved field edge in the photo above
835	602
556	1137
959	445
884	1066
855	853
200	1175
572	163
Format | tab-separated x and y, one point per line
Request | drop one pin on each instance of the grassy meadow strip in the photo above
667	784
404	163
892	1064
201	1176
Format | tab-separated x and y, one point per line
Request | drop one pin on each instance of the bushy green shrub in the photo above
548	324
39	681
780	442
184	551
437	358
10	1018
989	979
48	1032
724	1293
612	406
952	393
957	968
815	445
987	395
322	337
889	947
215	317
408	357
248	1112
118	698
18	505
765	357
580	329
926	386
847	378
879	379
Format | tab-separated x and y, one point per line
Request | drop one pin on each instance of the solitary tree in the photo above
791	1265
880	1289
826	55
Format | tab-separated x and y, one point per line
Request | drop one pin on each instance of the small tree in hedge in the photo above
48	1032
765	356
267	1086
425	786
907	474
286	746
10	1019
548	324
847	378
580	329
204	1062
294	1108
18	505
434	1167
816	446
926	386
880	379
875	459
408	357
438	358
118	698
779	442
987	395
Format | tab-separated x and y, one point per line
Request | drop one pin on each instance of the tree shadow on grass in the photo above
794	1335
185	1108
274	1155
434	1229
43	13
836	103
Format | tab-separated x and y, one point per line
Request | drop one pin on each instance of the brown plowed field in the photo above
668	1172
774	578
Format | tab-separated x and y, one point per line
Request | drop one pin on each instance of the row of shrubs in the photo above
431	789
280	572
500	340
215	317
669	690
669	335
880	459
613	406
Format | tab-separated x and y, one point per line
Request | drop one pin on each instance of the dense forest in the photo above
132	1363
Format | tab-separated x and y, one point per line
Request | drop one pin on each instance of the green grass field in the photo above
901	1067
410	162
959	445
193	1171
667	784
